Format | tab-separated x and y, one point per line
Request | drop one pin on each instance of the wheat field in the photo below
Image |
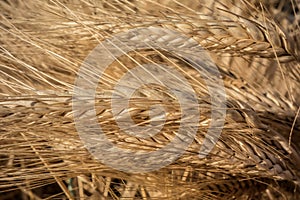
255	46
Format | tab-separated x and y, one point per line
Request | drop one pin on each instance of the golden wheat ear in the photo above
255	47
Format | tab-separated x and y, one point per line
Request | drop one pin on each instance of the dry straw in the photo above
255	46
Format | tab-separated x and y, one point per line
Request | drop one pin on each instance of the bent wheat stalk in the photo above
255	47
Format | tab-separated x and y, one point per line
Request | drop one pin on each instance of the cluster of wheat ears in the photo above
255	45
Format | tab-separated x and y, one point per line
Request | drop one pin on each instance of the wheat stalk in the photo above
42	46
